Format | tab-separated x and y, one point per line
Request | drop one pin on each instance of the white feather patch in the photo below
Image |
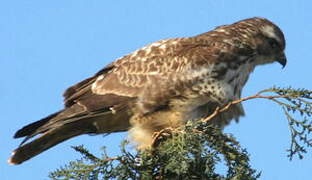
269	31
94	85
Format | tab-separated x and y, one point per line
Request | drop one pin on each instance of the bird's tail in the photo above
65	124
45	141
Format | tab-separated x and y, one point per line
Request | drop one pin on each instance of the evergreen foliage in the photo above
191	153
297	107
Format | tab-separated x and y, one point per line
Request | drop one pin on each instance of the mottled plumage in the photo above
161	85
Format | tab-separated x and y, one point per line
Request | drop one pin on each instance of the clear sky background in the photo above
46	46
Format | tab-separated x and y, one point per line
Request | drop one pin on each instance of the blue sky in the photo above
47	46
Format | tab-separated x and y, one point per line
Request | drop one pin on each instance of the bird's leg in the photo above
161	135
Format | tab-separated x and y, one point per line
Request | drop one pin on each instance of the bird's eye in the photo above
273	43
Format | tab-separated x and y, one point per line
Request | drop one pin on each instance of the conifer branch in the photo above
292	101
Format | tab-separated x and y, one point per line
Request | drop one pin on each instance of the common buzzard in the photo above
161	85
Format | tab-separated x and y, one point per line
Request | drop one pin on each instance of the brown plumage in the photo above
161	85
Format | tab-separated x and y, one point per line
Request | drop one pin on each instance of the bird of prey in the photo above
162	85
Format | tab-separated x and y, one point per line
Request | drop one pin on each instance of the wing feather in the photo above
164	69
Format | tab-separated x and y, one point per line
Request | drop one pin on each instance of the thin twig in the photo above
227	106
112	159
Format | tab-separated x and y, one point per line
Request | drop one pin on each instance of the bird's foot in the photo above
161	136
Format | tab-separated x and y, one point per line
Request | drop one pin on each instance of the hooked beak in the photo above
281	58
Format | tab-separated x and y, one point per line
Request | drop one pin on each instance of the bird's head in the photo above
267	39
